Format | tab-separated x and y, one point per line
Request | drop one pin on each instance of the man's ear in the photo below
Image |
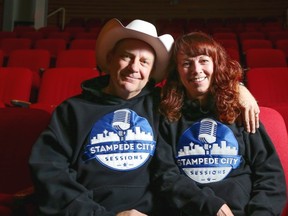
109	57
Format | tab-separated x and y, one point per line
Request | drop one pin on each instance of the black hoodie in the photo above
241	168
94	157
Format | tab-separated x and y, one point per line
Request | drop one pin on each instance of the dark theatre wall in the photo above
152	10
170	9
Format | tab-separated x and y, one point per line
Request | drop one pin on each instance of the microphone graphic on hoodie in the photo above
207	134
121	122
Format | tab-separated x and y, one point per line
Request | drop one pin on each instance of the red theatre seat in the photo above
59	84
37	60
83	44
277	130
53	45
76	58
19	129
15	84
268	85
10	44
265	57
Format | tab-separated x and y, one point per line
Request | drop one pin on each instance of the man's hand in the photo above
132	212
224	211
250	110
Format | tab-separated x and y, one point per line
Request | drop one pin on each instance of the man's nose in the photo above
134	65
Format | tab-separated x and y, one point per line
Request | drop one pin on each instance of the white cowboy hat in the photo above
113	31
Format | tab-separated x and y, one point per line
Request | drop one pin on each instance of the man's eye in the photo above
126	57
145	62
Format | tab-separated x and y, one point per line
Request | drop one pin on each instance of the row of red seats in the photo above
57	84
80	34
252	40
36	35
273	36
230	40
240	52
273	31
238	48
53	45
216	25
39	60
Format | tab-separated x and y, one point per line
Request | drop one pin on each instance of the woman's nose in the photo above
195	67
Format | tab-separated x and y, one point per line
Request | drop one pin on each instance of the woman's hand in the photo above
132	212
224	211
250	110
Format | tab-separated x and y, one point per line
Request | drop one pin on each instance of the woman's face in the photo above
195	74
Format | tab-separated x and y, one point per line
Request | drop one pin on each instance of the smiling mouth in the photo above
198	79
129	78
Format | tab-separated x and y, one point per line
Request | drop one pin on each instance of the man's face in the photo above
130	65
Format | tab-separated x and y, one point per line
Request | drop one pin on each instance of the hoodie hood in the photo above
93	90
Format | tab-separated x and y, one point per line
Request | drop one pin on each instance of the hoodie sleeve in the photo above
269	186
57	191
178	190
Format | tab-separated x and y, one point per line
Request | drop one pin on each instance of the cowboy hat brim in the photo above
113	31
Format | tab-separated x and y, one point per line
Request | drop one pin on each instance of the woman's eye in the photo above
186	64
204	61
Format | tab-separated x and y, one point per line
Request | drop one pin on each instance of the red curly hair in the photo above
225	82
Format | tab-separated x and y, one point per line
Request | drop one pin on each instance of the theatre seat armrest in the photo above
19	103
22	196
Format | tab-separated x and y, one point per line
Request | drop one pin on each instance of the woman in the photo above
200	106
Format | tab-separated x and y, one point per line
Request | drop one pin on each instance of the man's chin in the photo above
129	88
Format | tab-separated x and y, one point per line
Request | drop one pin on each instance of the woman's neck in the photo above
203	106
203	102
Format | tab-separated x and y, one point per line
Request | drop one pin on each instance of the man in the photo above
95	158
